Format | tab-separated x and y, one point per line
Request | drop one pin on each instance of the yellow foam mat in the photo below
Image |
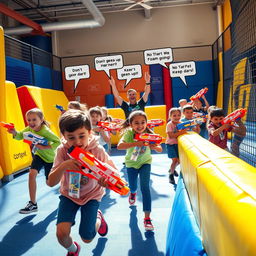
15	155
222	190
46	99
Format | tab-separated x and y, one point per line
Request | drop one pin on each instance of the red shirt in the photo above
219	140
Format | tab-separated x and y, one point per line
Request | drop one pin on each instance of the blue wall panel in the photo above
43	77
156	78
203	78
157	98
18	71
57	85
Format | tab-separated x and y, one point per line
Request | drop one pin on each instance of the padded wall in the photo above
92	91
222	192
45	99
15	155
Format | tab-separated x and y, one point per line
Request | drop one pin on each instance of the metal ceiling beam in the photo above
98	21
22	19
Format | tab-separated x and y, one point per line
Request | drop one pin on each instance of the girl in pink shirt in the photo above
171	141
78	191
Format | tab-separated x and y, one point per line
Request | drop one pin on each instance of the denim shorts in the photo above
67	212
38	163
172	150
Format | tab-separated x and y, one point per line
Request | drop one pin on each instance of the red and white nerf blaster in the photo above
109	126
155	122
199	94
148	138
7	125
96	169
232	117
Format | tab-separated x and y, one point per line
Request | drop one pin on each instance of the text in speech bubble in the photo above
108	62
76	73
128	73
158	56
183	69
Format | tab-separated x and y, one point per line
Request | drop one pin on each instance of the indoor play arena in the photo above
127	128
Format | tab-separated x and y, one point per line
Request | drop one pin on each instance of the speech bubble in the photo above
158	56
76	73
108	62
183	69
128	73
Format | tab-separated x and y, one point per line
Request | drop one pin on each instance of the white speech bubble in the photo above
108	62
128	73
158	56
76	73
183	69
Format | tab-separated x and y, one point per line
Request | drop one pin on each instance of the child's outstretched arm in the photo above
206	103
122	145
240	129
216	132
57	173
176	134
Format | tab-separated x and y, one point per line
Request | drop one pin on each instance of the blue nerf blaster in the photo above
34	139
59	107
190	123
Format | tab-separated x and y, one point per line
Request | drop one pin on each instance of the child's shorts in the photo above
172	150
38	163
67	212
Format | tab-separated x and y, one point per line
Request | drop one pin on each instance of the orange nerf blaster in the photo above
149	138
199	94
95	169
7	125
109	126
232	117
155	122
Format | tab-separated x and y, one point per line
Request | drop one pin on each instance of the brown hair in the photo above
39	113
74	119
77	105
95	110
172	110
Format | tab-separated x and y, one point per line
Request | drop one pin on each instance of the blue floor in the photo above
34	234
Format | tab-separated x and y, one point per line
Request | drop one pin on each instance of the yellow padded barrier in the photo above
46	99
222	190
153	112
15	155
1	173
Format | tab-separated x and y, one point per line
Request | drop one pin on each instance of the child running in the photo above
140	166
172	142
76	128
218	133
43	155
104	136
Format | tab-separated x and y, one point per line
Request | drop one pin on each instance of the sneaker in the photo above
103	229
77	251
171	179
132	198
30	207
148	224
175	173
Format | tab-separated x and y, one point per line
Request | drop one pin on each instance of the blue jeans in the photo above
144	172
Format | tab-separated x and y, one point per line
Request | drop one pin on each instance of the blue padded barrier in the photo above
156	74
183	235
109	101
43	76
157	98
